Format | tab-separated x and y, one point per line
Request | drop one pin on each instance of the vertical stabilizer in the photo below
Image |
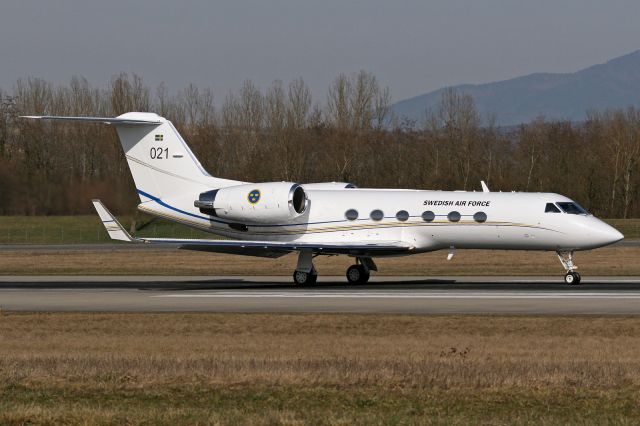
161	163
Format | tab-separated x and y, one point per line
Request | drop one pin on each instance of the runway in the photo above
416	295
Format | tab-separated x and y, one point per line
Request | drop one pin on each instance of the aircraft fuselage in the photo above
428	220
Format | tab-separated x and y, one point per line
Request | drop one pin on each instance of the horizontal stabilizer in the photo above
135	118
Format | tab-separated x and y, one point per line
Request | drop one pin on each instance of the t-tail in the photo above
161	163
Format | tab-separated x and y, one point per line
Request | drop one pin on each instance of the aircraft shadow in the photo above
280	285
244	284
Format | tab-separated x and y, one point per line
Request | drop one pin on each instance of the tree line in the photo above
283	133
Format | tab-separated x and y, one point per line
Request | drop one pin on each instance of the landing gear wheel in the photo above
578	277
357	274
566	258
305	278
572	278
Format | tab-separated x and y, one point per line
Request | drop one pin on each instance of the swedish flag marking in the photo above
254	196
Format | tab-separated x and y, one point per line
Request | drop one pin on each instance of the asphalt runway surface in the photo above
417	295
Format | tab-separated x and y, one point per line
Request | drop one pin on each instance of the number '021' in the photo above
159	153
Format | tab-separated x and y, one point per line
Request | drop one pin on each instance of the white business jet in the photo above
271	219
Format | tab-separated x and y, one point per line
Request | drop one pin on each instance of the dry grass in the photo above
606	261
318	369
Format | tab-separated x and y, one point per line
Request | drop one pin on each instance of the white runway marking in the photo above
399	295
558	280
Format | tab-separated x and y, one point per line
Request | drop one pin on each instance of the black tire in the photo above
572	278
578	278
304	278
356	274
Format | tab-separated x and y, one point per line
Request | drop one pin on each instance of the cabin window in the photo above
351	214
428	216
377	215
454	216
480	217
572	208
402	215
551	208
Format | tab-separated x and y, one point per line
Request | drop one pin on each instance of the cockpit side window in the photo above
551	208
572	208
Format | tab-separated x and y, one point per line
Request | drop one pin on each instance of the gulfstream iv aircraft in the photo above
271	219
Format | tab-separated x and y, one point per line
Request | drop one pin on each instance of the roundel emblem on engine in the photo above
254	196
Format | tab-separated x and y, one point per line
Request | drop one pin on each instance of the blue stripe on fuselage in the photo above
210	219
162	203
223	222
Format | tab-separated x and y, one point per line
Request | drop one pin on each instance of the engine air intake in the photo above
298	199
256	203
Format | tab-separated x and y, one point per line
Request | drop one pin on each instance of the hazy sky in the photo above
411	46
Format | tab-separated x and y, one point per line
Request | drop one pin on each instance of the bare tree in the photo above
460	124
128	94
338	108
280	133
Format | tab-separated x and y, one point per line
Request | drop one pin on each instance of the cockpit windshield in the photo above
571	208
551	208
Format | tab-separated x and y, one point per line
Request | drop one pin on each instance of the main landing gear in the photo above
360	272
305	273
305	278
356	274
566	258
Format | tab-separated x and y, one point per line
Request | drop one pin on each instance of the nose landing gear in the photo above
572	278
566	258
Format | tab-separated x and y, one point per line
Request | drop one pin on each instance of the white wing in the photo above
254	248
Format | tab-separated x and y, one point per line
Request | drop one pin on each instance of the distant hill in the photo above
568	96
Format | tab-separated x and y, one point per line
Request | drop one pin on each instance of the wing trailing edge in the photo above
252	247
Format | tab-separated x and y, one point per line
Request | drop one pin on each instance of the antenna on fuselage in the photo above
485	188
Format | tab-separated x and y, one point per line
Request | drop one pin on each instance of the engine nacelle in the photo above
328	185
259	203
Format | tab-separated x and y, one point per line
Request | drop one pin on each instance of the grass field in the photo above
84	229
318	369
605	261
88	229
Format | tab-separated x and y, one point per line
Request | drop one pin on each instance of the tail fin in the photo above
161	163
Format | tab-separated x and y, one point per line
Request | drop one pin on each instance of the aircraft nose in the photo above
606	234
615	235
